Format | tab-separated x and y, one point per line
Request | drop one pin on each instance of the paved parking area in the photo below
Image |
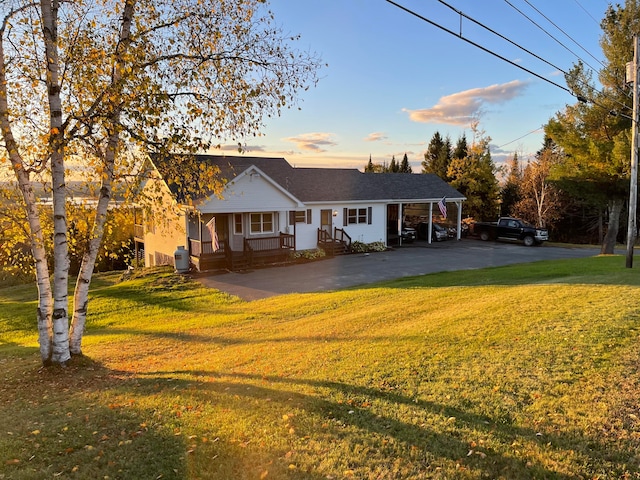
359	269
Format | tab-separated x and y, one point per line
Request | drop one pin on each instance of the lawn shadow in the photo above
55	424
448	446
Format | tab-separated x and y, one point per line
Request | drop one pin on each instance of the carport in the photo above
395	220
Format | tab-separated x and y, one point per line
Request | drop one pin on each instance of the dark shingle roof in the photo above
327	184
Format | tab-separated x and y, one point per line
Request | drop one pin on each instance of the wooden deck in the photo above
256	252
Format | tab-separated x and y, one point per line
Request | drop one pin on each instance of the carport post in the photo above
459	205
430	229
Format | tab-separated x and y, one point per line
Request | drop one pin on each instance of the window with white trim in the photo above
261	222
358	215
237	223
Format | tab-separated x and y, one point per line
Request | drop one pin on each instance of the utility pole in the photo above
633	186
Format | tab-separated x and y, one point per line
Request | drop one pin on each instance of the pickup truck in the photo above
507	228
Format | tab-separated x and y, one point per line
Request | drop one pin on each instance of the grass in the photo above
519	372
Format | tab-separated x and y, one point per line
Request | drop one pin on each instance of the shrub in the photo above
312	254
360	247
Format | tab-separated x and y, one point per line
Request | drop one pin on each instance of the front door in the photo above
326	221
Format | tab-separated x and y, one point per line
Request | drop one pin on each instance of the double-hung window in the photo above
261	223
237	223
357	215
299	216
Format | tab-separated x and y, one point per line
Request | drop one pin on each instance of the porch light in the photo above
335	213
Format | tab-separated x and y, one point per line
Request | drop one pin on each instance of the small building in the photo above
268	209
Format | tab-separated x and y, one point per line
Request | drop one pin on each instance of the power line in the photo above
587	12
521	137
501	57
562	44
462	14
551	36
477	45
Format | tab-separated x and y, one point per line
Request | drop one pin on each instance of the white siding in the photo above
307	234
165	228
250	193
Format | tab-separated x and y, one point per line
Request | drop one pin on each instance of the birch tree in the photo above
92	86
540	202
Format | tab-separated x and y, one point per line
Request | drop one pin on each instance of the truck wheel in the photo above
484	236
529	241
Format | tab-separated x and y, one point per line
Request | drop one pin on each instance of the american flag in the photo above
442	205
211	226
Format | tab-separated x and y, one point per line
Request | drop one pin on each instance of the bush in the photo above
313	254
360	247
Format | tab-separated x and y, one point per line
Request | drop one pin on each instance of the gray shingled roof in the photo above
333	184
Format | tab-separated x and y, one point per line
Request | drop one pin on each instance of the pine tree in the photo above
597	144
404	166
474	177
393	166
510	192
438	156
461	149
369	168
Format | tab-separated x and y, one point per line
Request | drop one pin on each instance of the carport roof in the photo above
315	185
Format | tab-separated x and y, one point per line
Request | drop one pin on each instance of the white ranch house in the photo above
269	208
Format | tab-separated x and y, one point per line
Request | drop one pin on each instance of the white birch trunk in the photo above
45	296
81	293
60	319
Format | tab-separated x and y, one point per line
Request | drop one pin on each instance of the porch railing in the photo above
138	231
283	240
198	248
343	237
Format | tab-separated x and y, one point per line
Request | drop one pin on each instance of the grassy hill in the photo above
516	372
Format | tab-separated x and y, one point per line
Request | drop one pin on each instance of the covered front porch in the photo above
212	244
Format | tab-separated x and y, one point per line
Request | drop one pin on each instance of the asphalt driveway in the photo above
359	269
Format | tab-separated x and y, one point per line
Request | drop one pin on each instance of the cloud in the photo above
464	107
313	142
375	137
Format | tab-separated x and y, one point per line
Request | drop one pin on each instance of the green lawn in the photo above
519	372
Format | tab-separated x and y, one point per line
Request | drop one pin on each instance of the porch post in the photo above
459	234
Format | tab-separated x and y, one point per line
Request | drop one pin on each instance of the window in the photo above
300	216
237	223
358	215
261	222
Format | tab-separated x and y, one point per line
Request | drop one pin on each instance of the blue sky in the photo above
393	80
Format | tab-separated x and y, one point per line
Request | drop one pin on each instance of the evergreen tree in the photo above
474	177
461	149
393	166
369	168
404	166
438	156
597	144
510	192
